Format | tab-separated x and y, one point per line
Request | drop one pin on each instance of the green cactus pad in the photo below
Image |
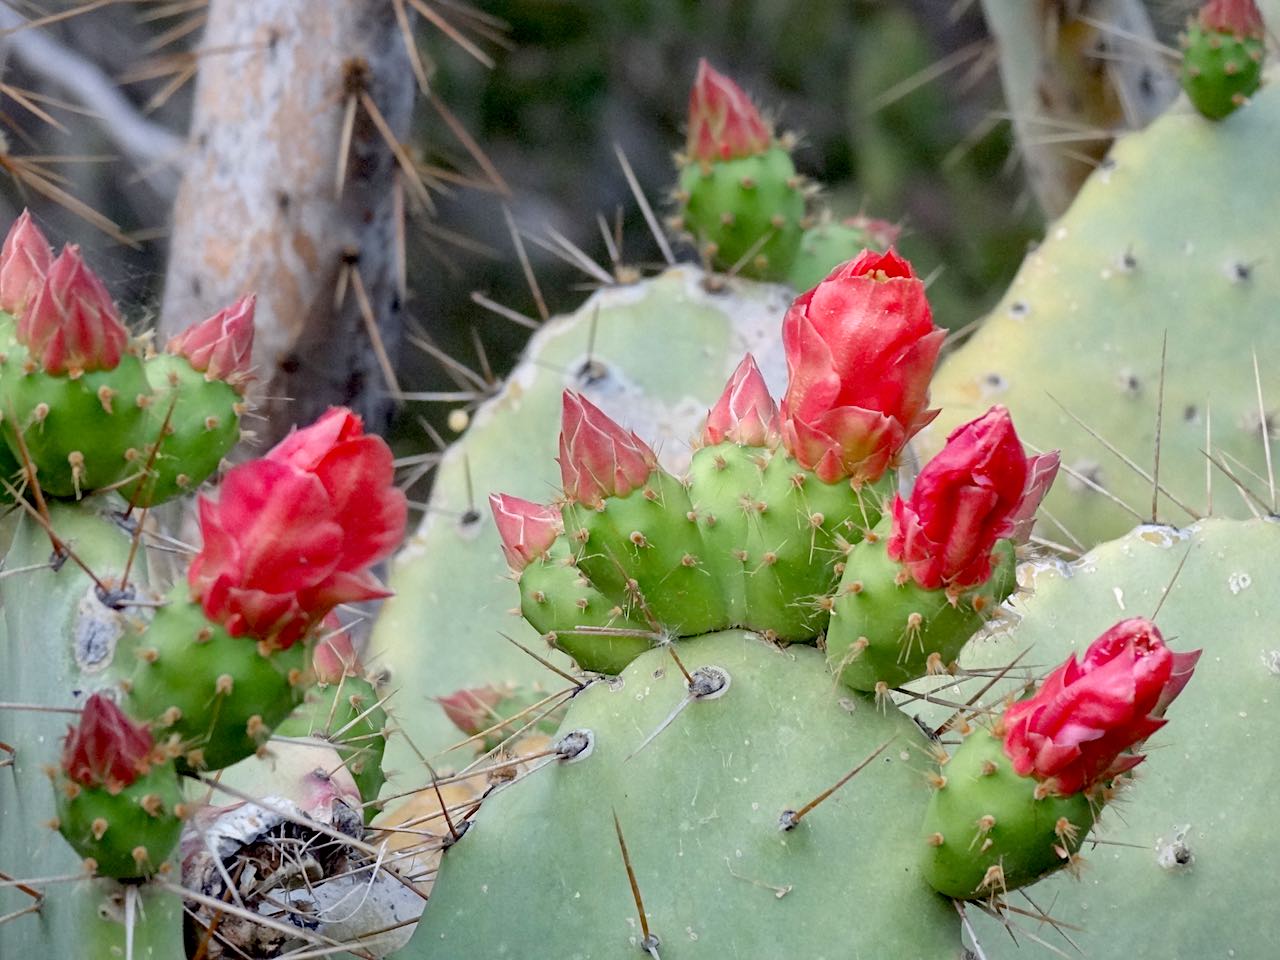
1190	836
348	716
557	599
202	428
732	205
220	695
886	632
650	536
141	819
1164	237
539	872
1220	71
986	832
79	432
797	544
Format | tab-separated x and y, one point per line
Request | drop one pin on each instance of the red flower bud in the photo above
471	711
1079	726
107	749
723	122
978	489
220	347
291	536
745	413
861	347
71	325
527	529
1240	18
598	458
334	656
25	259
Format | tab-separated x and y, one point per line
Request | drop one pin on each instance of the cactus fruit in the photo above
831	242
1077	338
217	695
69	386
194	418
740	196
1222	56
119	805
1033	782
1186	831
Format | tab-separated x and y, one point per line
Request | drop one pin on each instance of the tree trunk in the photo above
258	209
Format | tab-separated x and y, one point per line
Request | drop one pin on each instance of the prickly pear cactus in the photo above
655	353
1078	337
1185	836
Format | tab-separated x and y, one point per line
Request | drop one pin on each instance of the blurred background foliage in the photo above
897	106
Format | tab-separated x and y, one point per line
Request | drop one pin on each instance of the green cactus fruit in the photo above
774	534
649	538
988	831
796	544
746	213
454	561
887	630
1077	337
558	599
1187	836
203	424
1222	56
80	432
829	243
127	834
348	714
700	793
220	696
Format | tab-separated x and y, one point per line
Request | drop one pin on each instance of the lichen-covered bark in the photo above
258	208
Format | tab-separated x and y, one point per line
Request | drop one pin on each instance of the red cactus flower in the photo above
71	325
107	749
598	458
25	260
527	529
723	122
980	488
1078	728
861	347
292	535
471	711
745	413
1240	18
220	347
